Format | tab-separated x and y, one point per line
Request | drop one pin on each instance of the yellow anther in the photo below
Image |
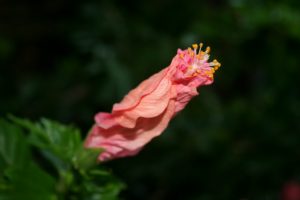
195	46
198	61
201	53
200	45
216	64
209	74
207	50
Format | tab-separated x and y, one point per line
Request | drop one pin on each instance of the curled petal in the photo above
135	95
149	106
105	120
184	95
120	141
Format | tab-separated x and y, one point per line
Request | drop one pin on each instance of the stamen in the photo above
200	46
215	64
197	62
207	50
195	47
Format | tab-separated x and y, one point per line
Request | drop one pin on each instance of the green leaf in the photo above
14	150
101	184
59	142
31	181
86	158
79	176
20	177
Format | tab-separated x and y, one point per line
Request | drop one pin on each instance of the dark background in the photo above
239	139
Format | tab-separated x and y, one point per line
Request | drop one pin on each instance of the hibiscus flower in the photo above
146	111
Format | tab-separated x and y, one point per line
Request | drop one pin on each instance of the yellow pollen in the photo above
216	64
200	45
195	46
207	50
201	53
199	61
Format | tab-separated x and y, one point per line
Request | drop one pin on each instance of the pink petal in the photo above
149	106
105	120
135	95
184	95
120	142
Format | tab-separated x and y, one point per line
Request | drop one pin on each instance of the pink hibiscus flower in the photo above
145	111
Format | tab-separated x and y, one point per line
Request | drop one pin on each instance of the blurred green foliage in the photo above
55	169
238	139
